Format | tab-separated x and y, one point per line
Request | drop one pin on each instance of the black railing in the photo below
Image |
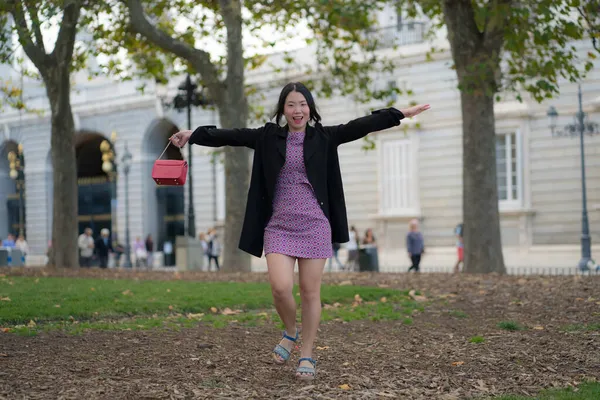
398	35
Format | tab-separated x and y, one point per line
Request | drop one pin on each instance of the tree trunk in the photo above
237	178
64	251
476	55
482	240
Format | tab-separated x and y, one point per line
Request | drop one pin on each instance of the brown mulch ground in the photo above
430	359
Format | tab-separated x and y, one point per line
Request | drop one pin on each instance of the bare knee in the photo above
310	293
281	291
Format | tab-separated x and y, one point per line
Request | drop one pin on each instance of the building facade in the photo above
414	171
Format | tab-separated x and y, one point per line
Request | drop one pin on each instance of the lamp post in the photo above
126	163
187	97
110	168
16	162
580	127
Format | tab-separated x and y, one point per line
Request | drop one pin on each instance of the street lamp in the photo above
110	168
187	97
580	127
126	163
16	162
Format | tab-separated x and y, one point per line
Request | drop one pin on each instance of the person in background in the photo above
352	247
369	238
204	244
149	250
460	247
415	245
85	242
214	248
336	249
141	255
103	247
9	242
22	245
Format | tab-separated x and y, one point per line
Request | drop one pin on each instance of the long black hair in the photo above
300	88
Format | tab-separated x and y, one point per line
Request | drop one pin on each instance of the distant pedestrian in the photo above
415	245
85	242
336	249
352	247
103	247
214	248
460	247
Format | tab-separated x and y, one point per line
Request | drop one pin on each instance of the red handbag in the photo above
169	172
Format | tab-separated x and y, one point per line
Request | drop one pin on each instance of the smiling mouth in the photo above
297	119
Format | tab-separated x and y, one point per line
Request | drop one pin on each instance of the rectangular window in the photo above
397	185
508	169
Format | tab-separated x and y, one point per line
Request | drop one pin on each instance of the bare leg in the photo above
311	272
281	277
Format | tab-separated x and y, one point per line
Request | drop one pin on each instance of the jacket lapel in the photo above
282	141
310	144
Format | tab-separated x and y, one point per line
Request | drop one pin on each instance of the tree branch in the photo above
63	50
463	34
495	25
36	54
199	59
35	24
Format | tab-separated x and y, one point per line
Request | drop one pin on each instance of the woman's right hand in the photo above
180	138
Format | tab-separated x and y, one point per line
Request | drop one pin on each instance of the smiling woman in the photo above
296	208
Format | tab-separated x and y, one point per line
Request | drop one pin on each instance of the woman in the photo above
295	208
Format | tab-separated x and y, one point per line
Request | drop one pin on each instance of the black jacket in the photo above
101	248
320	158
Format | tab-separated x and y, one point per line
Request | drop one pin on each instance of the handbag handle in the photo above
163	152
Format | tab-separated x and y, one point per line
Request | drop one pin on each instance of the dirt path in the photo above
355	360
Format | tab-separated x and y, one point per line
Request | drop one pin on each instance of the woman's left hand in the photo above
415	110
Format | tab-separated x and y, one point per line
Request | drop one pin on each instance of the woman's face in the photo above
296	111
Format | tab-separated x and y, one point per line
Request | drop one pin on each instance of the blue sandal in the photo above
282	351
309	372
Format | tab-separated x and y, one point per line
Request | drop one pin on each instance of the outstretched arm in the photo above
377	121
212	137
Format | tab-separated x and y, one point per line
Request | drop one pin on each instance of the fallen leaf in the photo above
3	355
195	316
579	299
383	300
213	309
346	364
538	328
5	330
37	280
345	283
127	293
229	311
345	386
416	297
482	292
309	387
5	299
168	290
31	323
262	314
357	298
57	305
457	363
322	348
170	307
93	289
195	359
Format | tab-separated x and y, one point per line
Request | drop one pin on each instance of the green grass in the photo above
477	339
585	391
458	314
510	326
32	305
581	328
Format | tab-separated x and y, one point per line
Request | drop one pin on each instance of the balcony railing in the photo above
398	35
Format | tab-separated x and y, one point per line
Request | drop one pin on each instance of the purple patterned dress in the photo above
298	226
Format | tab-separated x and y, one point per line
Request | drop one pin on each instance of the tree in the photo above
55	69
500	46
148	31
589	10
